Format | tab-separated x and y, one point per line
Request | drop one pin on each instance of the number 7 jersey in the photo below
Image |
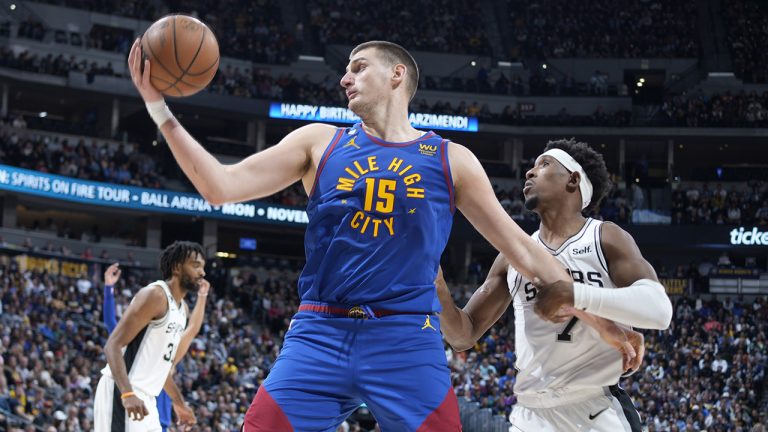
570	355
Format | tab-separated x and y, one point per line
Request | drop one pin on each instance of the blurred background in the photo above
672	92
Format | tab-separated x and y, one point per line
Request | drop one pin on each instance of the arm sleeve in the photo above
644	304
110	320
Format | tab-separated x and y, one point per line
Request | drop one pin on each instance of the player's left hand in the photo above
185	415
637	340
552	298
204	287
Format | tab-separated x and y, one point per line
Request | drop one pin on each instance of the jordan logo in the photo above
594	416
351	143
428	324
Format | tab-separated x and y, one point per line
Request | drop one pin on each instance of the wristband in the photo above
127	395
159	112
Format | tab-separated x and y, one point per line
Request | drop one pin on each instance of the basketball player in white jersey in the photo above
567	375
142	348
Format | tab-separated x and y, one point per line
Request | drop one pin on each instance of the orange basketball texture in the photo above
183	54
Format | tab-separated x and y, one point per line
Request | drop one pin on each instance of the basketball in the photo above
183	53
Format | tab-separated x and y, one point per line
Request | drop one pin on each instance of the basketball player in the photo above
142	348
111	276
568	378
382	197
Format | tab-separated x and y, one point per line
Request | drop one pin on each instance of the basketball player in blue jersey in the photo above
111	276
567	374
382	196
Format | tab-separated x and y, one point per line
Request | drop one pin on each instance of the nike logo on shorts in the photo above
594	416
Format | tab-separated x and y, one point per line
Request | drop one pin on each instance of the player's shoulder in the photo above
611	233
318	130
312	134
151	299
615	238
153	293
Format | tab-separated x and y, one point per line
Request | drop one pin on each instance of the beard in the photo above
189	284
531	203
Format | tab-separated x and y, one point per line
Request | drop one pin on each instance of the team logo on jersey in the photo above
351	143
427	150
428	324
581	251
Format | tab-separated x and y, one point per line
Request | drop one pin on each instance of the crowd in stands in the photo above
31	29
745	109
141	9
443	26
56	155
604	28
59	65
251	30
244	29
738	205
706	372
747	24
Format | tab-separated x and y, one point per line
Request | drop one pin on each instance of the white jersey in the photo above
571	355
149	356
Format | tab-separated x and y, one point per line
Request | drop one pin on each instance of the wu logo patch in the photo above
427	150
351	143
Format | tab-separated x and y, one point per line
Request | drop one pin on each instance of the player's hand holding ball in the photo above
177	56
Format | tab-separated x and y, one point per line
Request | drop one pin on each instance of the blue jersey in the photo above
380	214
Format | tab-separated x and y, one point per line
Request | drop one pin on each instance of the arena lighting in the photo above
473	63
226	255
43	114
13	6
311	58
639	84
642	80
544	66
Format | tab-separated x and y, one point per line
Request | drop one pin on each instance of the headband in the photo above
585	186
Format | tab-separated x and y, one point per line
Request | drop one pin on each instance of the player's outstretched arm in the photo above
257	176
641	303
476	200
148	304
195	321
463	327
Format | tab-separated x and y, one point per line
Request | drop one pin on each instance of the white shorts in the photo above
605	410
109	414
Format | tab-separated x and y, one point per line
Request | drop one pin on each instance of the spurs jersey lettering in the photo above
570	355
149	356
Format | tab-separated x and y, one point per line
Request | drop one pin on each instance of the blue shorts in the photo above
164	409
329	365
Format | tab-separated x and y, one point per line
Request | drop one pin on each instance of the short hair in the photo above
395	54
593	164
175	254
